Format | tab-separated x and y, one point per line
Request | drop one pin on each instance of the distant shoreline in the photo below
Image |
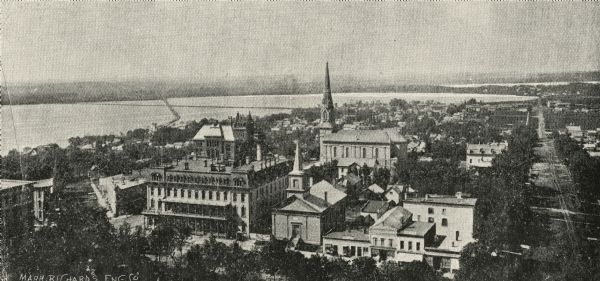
115	92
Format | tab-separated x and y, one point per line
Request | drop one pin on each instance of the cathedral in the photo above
357	147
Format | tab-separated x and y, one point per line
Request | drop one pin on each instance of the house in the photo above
350	244
395	236
376	189
309	211
575	132
394	193
453	217
481	155
374	209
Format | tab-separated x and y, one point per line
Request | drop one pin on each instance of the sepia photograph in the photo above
321	140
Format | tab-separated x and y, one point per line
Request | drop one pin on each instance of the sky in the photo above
200	41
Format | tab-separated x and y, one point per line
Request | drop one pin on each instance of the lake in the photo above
33	125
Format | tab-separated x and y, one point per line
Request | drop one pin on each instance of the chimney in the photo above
258	152
325	195
459	195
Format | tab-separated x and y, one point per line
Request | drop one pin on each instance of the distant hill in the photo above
75	92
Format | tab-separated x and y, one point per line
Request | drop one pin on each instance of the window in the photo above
430	219
152	191
376	152
243	211
443	211
234	196
203	194
210	195
334	151
457	235
225	195
364	153
444	222
295	183
196	194
175	192
347	152
382	242
218	195
359	251
189	193
418	246
402	245
243	199
366	250
409	245
374	241
390	242
430	210
159	191
418	217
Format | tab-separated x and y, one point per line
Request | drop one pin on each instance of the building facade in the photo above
308	212
453	217
481	155
218	194
348	147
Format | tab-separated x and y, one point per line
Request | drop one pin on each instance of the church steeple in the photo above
327	100
296	176
327	109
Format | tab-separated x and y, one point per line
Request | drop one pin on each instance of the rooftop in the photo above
122	181
442	199
215	131
416	228
395	218
207	165
366	136
486	149
374	206
6	184
353	235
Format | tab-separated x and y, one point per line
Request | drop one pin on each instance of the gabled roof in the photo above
215	131
375	188
333	195
313	201
298	204
393	219
365	136
373	206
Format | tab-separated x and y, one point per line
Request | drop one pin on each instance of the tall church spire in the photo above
327	110
297	159
327	100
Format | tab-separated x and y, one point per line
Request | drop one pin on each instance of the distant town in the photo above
354	191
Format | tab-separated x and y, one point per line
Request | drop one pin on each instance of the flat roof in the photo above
448	200
352	235
417	228
5	184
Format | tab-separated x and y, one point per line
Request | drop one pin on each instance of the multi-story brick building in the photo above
209	195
